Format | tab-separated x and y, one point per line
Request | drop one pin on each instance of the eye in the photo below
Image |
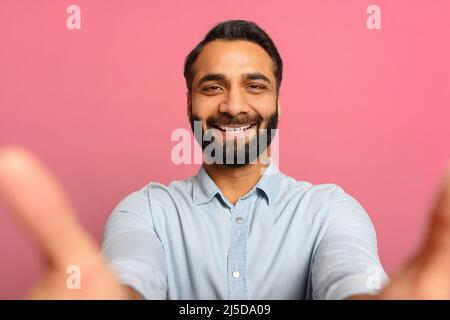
254	86
211	88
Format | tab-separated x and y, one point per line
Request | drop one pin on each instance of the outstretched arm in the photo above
427	274
37	202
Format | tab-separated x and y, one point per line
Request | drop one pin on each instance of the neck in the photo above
235	182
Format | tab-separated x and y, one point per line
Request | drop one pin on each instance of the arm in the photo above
345	262
49	219
427	274
133	249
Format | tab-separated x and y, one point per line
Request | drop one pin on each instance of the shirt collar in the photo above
204	188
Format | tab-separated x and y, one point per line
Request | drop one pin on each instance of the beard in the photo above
235	153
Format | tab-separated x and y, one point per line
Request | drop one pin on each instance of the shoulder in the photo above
291	189
328	200
156	193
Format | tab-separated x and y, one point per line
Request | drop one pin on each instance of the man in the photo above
236	230
230	232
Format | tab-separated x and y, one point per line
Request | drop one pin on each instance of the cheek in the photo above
203	108
265	108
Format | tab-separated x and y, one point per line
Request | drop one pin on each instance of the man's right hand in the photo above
37	201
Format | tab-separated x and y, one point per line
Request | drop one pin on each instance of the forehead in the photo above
232	58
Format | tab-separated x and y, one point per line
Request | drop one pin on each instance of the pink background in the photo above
368	110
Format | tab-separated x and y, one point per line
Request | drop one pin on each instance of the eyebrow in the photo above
245	76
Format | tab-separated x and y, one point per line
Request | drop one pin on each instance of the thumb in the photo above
35	198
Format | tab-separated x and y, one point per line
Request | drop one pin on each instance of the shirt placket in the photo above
237	255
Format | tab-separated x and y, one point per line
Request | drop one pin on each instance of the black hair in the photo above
236	30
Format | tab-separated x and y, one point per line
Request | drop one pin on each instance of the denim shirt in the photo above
284	239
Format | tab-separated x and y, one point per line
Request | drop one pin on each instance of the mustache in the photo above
225	119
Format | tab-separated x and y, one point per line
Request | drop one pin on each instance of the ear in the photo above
279	108
189	105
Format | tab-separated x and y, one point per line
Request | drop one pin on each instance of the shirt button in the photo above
236	274
240	220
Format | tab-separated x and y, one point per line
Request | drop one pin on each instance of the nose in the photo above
234	103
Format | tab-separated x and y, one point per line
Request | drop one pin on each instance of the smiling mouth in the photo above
234	128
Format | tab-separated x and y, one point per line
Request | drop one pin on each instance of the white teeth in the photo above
224	128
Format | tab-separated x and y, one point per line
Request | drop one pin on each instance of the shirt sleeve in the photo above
346	260
132	248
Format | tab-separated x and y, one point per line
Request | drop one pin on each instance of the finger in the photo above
437	243
38	202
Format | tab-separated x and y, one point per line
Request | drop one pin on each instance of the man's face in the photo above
234	96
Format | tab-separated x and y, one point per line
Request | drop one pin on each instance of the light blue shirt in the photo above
285	239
